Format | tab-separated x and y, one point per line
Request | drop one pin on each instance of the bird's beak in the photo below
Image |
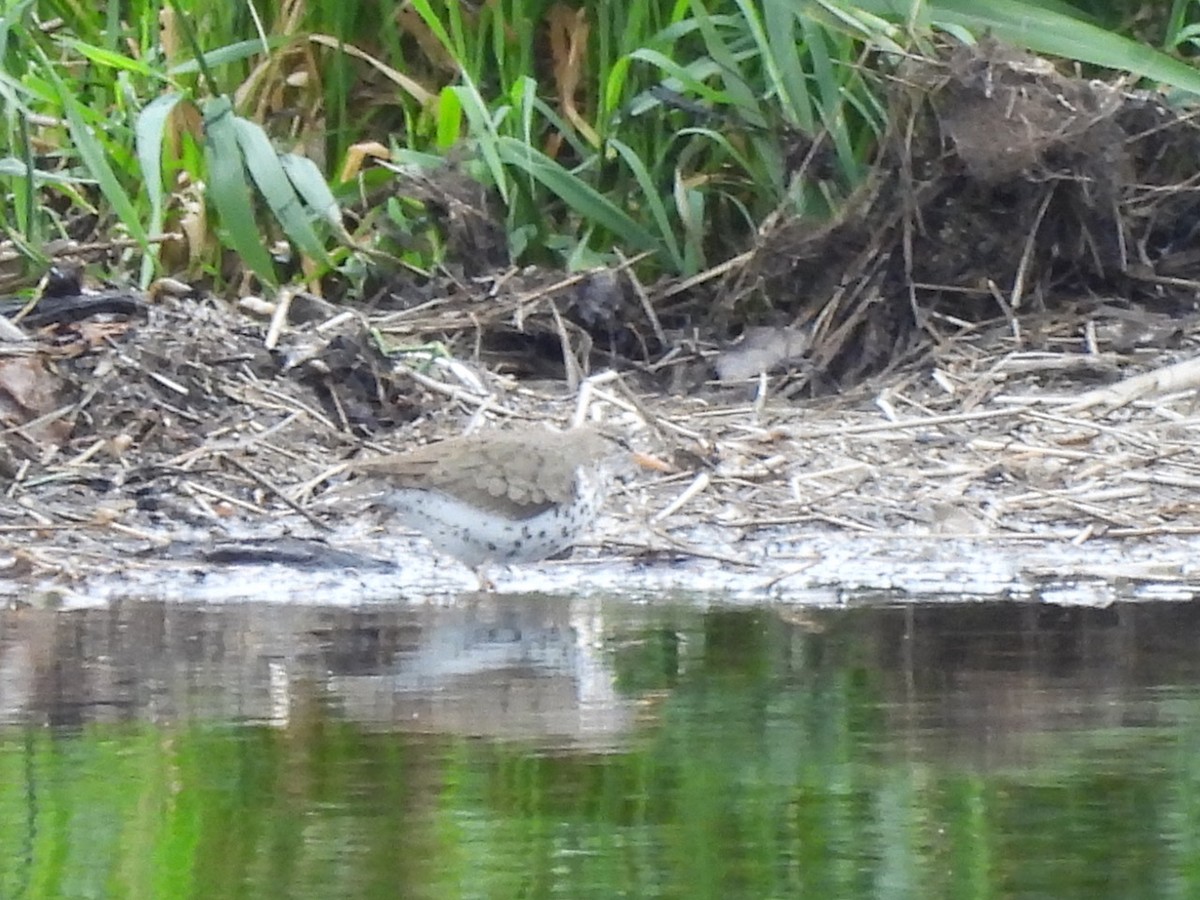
651	463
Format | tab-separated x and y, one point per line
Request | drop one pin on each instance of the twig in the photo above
271	488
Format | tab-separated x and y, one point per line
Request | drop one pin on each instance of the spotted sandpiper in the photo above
497	497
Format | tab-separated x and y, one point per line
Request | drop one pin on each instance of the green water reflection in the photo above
986	751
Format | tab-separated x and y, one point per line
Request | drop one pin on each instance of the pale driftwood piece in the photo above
336	321
1158	405
708	275
1050	498
305	488
990	445
292	456
1108	467
1191	483
225	498
847	523
1044	536
47	525
1112	494
843	523
1060	363
279	319
1018	289
1123	433
54	414
906	424
1180	376
202	503
476	396
698	486
95	447
676	545
159	540
1040	398
832	493
850	468
12	334
41	519
968	471
765	521
644	299
1154	531
628	401
286	402
262	436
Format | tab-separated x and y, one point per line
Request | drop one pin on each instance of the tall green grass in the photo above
671	127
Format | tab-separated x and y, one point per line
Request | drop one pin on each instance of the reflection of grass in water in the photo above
768	763
784	764
210	812
1099	816
67	801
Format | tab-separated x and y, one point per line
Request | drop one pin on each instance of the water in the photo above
536	747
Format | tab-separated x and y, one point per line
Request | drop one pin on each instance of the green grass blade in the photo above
577	194
111	60
12	167
692	77
779	20
230	53
1046	31
429	17
741	94
653	201
449	119
95	160
483	127
833	97
1043	28
871	21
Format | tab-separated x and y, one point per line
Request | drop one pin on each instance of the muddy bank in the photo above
977	380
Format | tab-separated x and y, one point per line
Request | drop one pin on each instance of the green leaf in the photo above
690	78
273	183
434	24
311	185
149	131
229	191
741	94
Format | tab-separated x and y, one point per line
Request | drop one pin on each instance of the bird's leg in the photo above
485	584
